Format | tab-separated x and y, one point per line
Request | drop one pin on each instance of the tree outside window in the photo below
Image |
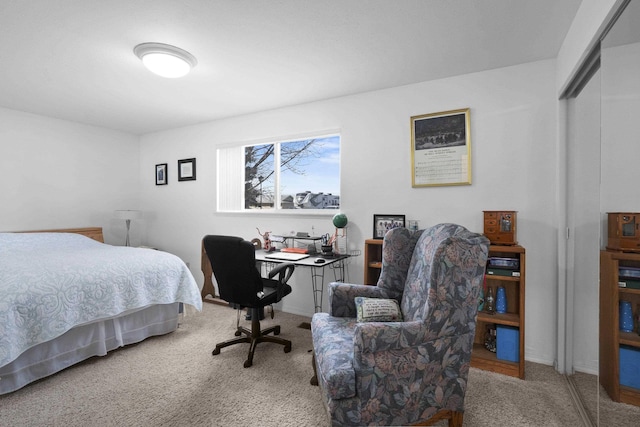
298	174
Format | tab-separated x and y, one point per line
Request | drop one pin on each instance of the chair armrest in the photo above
382	336
342	295
373	337
284	272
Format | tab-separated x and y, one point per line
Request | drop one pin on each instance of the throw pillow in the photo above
377	310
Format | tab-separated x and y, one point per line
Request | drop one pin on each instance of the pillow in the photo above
377	310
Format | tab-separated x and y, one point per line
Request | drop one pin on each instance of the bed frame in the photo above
94	233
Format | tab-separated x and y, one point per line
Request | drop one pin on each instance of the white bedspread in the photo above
51	282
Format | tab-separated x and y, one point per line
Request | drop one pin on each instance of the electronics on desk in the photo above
623	231
286	256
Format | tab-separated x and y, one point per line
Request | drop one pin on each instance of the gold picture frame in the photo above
441	149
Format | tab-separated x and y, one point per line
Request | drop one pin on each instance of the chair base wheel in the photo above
287	348
247	363
238	333
276	331
215	351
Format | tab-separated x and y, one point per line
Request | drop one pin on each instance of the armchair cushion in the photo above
377	310
342	297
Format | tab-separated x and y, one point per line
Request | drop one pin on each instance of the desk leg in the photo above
317	281
338	270
317	274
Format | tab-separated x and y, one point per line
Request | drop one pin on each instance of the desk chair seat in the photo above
240	284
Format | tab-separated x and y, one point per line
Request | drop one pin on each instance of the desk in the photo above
336	263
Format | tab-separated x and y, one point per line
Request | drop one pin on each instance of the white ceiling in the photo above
73	59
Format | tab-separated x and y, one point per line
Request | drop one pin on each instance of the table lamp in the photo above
128	215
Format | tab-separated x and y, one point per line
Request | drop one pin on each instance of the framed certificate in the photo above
441	149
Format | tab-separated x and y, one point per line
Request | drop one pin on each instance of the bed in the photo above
65	296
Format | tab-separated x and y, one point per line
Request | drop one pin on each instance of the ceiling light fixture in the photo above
165	60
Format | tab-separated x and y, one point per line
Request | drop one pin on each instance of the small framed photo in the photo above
187	170
161	174
384	223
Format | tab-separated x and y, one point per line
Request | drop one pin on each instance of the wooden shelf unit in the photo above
610	335
372	261
515	290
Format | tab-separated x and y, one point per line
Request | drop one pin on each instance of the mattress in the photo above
83	298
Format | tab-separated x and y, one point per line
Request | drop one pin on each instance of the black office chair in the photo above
240	284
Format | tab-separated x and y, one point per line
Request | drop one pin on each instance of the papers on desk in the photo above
286	256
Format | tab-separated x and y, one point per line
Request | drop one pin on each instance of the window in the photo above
285	175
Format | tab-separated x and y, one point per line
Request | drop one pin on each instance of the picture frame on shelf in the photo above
187	169
441	149
384	223
161	174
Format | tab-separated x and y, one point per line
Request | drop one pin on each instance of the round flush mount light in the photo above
165	60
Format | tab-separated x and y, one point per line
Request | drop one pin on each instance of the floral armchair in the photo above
415	370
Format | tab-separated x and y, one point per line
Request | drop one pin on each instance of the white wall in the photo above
58	174
513	134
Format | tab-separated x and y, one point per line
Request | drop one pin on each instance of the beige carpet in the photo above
174	380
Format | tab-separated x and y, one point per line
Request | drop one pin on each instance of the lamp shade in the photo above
128	214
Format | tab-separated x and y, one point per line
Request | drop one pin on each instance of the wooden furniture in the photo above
500	227
515	291
208	289
623	231
94	233
372	261
610	335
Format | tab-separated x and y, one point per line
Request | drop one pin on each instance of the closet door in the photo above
583	221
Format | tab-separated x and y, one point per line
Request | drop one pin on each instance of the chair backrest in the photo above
233	261
397	250
444	278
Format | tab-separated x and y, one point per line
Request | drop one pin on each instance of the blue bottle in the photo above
501	300
626	316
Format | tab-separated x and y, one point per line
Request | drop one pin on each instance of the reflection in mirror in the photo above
620	175
583	218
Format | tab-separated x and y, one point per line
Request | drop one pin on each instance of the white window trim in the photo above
272	212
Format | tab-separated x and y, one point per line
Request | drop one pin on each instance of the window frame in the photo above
275	211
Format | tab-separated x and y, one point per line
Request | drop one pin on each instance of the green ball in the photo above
340	220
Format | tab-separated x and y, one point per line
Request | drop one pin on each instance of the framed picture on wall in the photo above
384	223
161	174
441	149
187	170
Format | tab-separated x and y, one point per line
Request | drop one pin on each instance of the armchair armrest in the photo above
383	336
342	295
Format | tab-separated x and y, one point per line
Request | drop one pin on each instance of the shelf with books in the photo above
505	329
